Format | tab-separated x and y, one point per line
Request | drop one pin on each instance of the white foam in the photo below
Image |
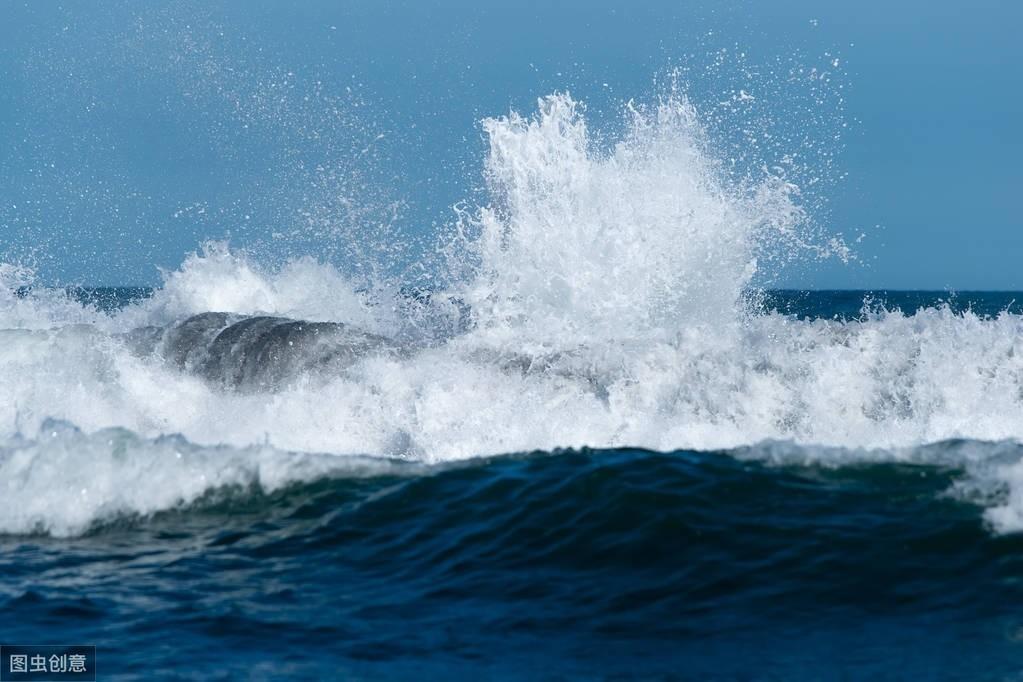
580	244
63	481
606	289
218	280
213	279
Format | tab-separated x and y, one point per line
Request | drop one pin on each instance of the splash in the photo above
580	244
601	302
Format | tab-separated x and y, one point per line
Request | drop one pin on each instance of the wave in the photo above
66	482
889	379
600	298
257	353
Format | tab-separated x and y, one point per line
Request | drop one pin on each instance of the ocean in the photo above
471	549
598	447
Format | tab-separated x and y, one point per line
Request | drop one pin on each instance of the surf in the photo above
602	295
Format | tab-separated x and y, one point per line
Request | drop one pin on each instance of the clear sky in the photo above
130	132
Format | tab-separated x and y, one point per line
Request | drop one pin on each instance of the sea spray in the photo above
605	291
645	239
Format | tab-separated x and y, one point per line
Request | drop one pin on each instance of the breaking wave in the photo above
600	297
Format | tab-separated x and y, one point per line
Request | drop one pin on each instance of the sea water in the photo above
595	448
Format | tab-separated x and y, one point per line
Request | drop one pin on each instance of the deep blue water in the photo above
592	564
827	303
619	564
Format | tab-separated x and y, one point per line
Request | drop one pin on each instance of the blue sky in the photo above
131	132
